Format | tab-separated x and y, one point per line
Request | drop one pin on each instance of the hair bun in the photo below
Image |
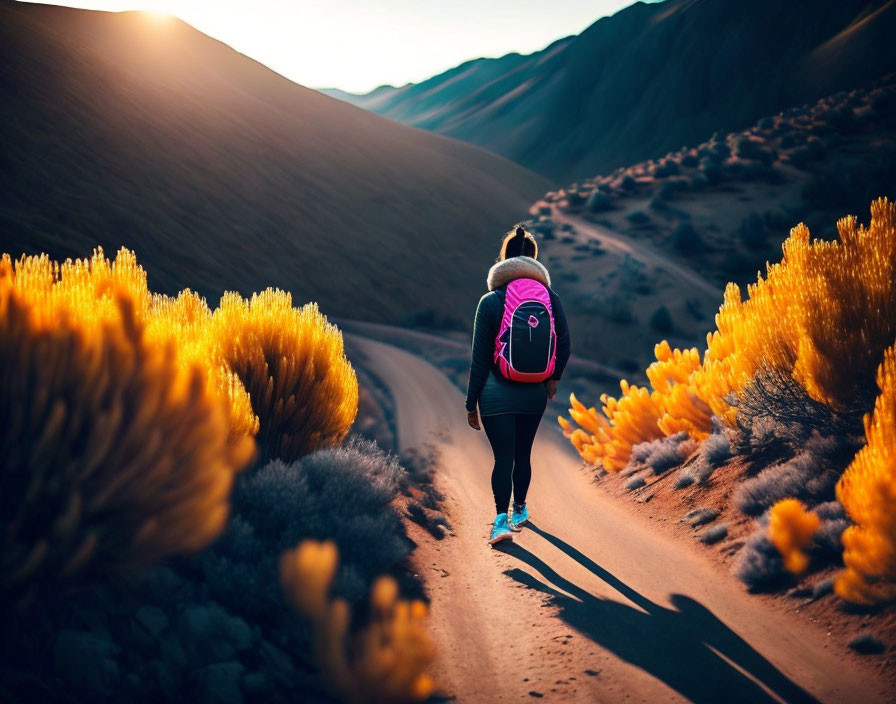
520	232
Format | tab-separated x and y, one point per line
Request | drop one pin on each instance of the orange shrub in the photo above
867	491
187	319
845	305
631	419
790	529
824	315
385	662
291	362
682	409
115	453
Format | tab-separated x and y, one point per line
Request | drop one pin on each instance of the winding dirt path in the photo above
589	604
614	242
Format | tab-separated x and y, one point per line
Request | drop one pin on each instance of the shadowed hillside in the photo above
643	252
120	131
650	79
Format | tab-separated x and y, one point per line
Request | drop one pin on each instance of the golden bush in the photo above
845	306
868	492
187	319
639	415
631	419
823	314
114	452
291	362
790	529
385	662
683	410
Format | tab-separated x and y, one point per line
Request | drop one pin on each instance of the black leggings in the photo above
511	436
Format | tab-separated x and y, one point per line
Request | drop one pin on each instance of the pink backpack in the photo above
526	344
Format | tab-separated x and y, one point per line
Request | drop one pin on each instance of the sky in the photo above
357	45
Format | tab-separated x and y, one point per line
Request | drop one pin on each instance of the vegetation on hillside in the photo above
793	364
813	161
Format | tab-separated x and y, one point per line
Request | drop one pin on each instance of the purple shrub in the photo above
635	483
823	587
759	564
714	534
684	480
343	494
867	644
661	455
713	452
775	417
826	542
803	477
701	516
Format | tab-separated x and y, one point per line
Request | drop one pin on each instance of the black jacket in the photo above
486	386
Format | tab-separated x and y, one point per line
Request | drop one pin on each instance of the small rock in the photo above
635	483
715	534
220	683
866	644
537	695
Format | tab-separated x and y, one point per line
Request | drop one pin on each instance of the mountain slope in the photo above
120	131
650	79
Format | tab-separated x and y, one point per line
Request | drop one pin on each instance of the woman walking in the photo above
520	347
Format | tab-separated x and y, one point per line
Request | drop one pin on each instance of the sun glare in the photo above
157	16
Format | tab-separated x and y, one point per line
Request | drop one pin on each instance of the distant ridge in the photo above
649	79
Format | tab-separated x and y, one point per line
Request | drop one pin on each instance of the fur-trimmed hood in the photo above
517	268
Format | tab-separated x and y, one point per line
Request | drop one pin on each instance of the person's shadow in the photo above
686	647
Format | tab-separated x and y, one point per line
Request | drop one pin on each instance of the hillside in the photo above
120	131
649	79
643	252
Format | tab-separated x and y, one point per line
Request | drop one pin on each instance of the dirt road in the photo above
589	604
615	242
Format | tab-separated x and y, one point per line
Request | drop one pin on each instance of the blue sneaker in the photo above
500	531
520	516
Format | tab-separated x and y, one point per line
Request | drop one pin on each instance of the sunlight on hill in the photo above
157	18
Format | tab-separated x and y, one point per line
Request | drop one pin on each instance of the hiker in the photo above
520	347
